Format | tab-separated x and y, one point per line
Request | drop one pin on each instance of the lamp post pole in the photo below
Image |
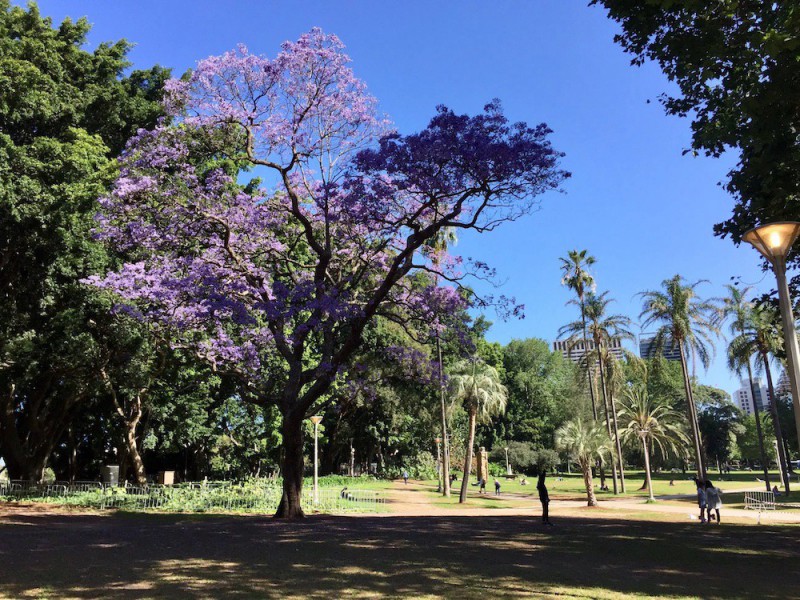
789	337
439	471
774	241
508	466
315	495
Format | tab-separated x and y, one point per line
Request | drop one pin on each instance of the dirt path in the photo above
415	500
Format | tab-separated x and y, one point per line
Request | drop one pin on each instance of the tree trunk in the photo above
588	482
617	442
692	414
757	415
73	456
773	405
290	506
606	411
133	451
445	444
468	459
585	352
648	477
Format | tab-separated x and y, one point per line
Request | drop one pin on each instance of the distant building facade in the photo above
573	349
744	397
648	349
783	389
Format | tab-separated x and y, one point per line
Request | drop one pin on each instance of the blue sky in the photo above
644	210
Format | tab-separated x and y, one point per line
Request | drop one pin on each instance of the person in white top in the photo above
713	500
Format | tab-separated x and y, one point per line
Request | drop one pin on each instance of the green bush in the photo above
496	469
421	466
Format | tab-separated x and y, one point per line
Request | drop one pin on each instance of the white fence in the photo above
759	500
259	496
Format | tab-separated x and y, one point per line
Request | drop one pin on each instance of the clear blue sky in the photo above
641	208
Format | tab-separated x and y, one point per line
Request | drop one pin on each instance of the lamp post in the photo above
780	466
508	465
774	242
439	464
316	419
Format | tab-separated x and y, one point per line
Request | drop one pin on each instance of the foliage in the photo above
419	466
651	422
542	393
735	66
721	427
64	113
278	285
748	441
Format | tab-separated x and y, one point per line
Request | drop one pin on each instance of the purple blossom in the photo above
278	284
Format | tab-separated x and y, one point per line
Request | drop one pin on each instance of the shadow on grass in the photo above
145	556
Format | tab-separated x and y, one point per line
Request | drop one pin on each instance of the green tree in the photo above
542	393
740	352
734	63
477	386
763	338
576	276
584	441
654	425
686	322
749	441
64	115
603	328
720	426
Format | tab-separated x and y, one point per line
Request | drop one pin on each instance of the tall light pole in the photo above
316	419
774	242
508	465
439	464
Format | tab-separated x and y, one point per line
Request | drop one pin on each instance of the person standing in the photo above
405	477
482	484
713	500
544	498
496	487
701	499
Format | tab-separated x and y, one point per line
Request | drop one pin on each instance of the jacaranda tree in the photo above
277	284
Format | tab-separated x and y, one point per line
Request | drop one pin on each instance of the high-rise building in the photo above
574	349
744	397
647	348
783	389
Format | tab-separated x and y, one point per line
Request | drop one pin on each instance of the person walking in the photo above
713	500
482	484
544	498
405	477
701	499
496	487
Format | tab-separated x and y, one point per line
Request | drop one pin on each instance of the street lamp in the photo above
774	242
439	464
508	466
316	419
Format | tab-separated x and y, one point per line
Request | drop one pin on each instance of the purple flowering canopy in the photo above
277	283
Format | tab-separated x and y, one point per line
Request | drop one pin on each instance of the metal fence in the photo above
759	500
256	496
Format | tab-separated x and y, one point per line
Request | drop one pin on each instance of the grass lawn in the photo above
589	554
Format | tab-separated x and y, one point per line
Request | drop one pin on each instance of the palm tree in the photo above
767	332
653	424
433	248
736	308
477	385
584	442
760	335
577	278
686	322
602	328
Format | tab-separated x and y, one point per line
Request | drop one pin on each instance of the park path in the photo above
414	500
